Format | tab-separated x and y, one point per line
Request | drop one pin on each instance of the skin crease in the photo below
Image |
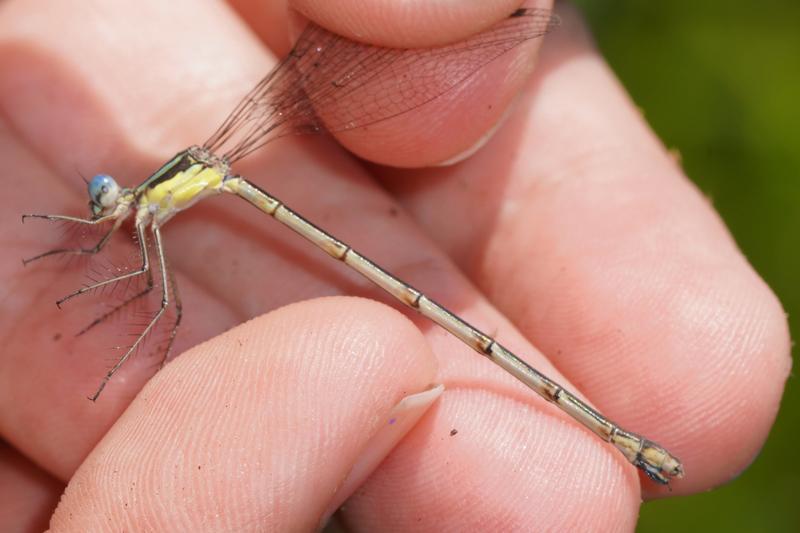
27	494
621	273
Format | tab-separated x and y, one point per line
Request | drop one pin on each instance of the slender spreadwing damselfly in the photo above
326	83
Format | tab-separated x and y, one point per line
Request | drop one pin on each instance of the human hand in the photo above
572	221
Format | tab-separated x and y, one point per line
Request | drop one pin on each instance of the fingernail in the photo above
398	422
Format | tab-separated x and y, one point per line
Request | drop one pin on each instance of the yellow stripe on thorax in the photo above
184	188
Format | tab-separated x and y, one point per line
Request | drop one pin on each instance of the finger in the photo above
472	94
256	428
521	477
215	244
27	494
460	118
406	24
378	22
622	273
269	20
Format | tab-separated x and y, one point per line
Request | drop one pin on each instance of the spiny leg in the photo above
68	218
118	220
164	303
145	267
102	318
77	251
178	316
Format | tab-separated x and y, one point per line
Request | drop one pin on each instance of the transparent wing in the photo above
328	82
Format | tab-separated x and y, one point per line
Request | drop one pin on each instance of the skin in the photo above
572	236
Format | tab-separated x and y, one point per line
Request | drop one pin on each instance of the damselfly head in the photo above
103	194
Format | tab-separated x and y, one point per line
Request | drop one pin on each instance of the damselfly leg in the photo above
142	270
77	220
122	305
158	314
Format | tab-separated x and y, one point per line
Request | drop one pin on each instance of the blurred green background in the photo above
720	83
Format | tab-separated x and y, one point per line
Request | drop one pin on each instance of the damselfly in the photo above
328	83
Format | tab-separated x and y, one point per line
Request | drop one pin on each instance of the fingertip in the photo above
422	107
482	461
295	395
409	24
734	377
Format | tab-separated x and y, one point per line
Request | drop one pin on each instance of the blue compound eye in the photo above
103	190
